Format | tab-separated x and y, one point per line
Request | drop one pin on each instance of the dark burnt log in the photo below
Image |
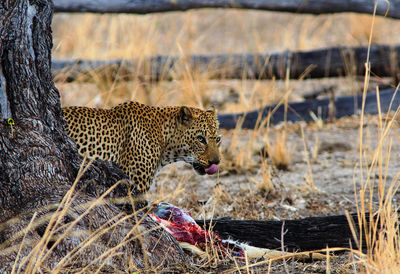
306	234
295	6
330	62
39	162
317	93
301	111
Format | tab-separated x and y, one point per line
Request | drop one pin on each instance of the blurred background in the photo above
206	31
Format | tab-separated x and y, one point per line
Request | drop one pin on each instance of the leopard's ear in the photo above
185	116
212	109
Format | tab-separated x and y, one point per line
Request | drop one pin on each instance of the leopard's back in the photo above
97	132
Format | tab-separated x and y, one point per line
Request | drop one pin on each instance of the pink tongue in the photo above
212	169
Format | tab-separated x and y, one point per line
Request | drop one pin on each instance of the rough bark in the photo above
296	6
300	235
330	62
39	162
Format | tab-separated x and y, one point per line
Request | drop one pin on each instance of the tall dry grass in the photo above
381	227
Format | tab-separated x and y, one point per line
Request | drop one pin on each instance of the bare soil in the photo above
334	167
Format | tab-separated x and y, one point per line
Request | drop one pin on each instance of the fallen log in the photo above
303	111
150	6
330	62
306	234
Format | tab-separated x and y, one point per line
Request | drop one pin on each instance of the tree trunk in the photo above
39	163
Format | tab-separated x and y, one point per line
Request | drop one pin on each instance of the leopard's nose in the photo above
214	161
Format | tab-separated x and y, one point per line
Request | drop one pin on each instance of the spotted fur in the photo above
142	139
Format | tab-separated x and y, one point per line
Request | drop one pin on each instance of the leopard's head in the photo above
200	139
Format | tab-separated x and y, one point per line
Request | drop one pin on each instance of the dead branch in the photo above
306	234
330	62
295	6
302	111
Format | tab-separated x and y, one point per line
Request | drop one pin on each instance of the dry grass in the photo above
382	242
309	175
37	252
209	31
382	232
265	185
280	151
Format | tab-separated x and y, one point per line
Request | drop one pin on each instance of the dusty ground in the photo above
333	151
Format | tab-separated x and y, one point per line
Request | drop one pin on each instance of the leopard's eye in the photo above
202	139
218	139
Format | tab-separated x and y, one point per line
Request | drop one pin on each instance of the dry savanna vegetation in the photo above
277	172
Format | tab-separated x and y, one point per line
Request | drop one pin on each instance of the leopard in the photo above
142	139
